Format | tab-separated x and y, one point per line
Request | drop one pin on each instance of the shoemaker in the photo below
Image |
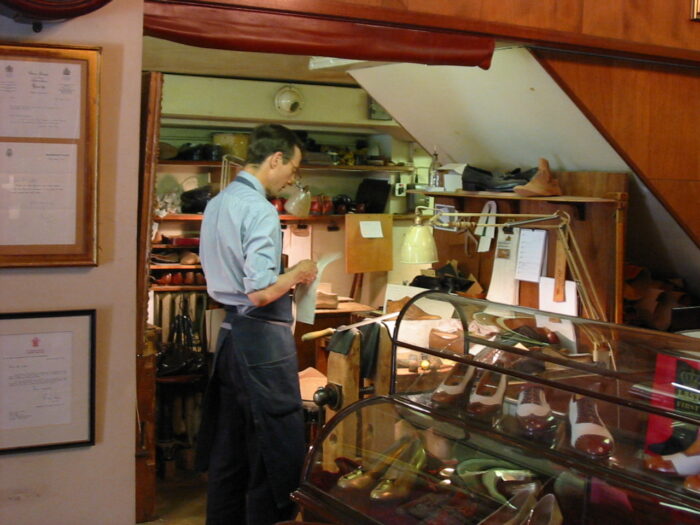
251	438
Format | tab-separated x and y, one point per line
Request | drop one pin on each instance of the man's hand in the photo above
304	271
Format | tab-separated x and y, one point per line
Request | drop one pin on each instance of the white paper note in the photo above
504	288
35	376
486	233
305	294
547	303
531	249
38	193
371	229
40	99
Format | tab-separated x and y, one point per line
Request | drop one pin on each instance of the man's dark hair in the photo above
270	138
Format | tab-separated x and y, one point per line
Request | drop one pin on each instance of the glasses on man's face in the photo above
295	175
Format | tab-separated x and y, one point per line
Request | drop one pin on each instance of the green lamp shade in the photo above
419	246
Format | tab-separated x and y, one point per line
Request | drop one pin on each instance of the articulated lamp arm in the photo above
560	222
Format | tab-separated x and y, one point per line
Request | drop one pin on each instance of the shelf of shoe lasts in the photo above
514	196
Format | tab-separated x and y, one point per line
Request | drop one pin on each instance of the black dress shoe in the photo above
681	439
478	179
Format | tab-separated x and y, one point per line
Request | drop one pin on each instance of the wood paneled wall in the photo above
651	27
650	114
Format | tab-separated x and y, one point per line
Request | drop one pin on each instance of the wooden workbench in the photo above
325	318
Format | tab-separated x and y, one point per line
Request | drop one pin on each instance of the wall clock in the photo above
36	11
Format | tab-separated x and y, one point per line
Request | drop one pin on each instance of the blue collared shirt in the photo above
240	242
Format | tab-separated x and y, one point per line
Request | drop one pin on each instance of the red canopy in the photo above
241	29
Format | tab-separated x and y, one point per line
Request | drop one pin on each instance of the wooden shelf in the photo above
356	169
179	217
173	247
168	266
182	217
304	167
181	288
614	199
194	163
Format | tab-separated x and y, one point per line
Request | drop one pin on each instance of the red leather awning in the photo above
229	27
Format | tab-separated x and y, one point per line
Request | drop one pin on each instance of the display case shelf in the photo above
589	415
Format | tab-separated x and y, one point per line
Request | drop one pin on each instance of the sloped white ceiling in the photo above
511	115
505	117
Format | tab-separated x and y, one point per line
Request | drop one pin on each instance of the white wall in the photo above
90	485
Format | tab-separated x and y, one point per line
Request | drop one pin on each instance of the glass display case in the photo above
502	414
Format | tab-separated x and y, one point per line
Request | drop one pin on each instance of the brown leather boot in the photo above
543	184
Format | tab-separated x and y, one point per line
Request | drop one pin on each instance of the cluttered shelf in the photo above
304	167
176	217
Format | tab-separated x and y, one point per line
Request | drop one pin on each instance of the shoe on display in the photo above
588	432
445	340
452	388
544	184
487	396
503	484
686	463
692	483
514	511
545	512
533	413
399	479
682	437
362	477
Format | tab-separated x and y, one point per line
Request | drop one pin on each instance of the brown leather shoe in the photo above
543	184
692	483
588	432
487	397
452	388
533	413
442	340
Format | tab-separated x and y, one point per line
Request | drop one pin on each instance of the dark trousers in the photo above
238	490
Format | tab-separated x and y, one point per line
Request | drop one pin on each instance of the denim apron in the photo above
262	339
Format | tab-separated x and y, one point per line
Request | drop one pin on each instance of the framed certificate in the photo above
48	155
47	380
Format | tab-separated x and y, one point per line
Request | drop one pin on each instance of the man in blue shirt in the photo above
252	432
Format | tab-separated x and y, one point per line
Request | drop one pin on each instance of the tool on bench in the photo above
310	336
